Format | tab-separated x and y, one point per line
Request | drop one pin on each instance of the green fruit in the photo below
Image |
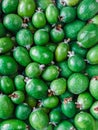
94	87
13	124
6	44
92	55
50	73
61	52
77	83
6	85
67	14
41	54
21	55
51	46
84	121
26	8
95	19
57	34
52	14
8	65
50	102
94	110
19	82
41	37
33	70
6	107
2	30
38	119
58	86
68	108
39	19
36	88
71	2
22	111
66	95
12	22
71	29
87	36
9	6
31	101
76	63
87	9
84	101
24	38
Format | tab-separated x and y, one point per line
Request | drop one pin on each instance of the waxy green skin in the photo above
6	44
92	55
41	37
41	54
67	14
87	9
61	52
6	85
38	119
21	55
68	108
17	97
71	2
9	6
50	102
87	36
13	124
57	35
76	63
8	65
33	70
6	107
93	88
50	73
52	14
31	101
2	30
95	19
22	111
93	110
36	88
26	8
71	29
12	22
77	83
84	121
39	19
58	86
19	82
51	46
64	125
85	100
24	38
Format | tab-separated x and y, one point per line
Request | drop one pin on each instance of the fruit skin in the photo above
95	19
58	86
68	108
2	30
36	88
26	8
38	119
12	22
76	63
71	2
9	6
87	36
87	9
6	107
93	88
24	38
92	55
39	19
68	14
6	44
71	29
77	83
8	65
84	121
93	110
13	124
41	54
6	85
21	55
52	14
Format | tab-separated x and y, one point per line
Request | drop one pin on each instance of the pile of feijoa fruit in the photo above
48	64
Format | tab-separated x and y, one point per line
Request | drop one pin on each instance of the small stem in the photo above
95	77
58	27
78	105
26	20
66	100
96	108
13	95
50	92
